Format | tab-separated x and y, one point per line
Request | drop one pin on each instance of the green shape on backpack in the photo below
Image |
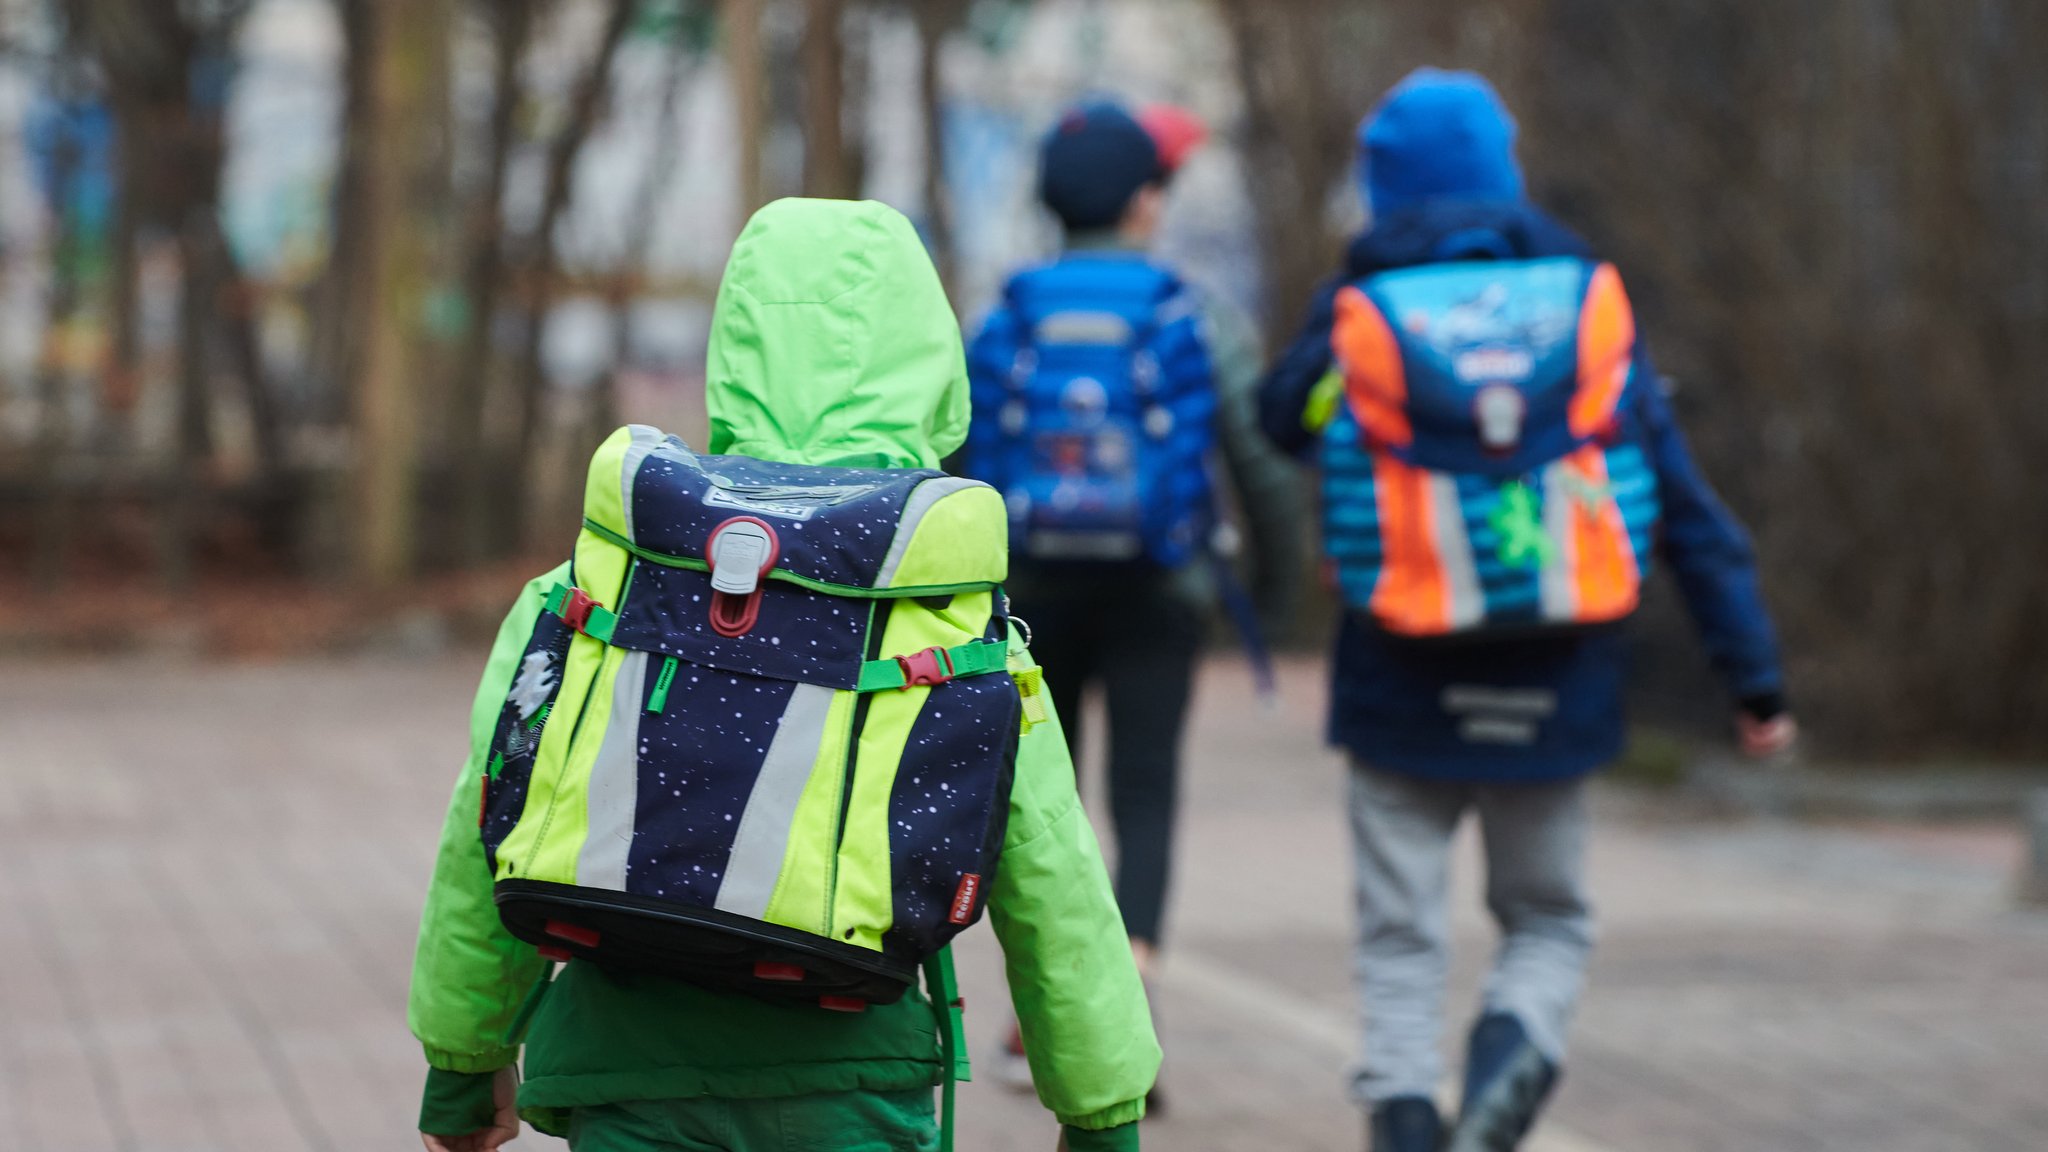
1518	517
658	699
1323	400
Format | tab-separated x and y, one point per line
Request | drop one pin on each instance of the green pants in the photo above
833	1122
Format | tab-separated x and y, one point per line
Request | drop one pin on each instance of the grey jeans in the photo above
1535	840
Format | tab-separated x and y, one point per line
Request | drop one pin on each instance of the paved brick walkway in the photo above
209	879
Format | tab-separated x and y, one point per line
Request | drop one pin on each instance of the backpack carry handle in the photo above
741	551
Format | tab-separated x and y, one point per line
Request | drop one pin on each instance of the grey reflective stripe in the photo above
646	438
1559	591
614	788
1044	544
921	500
1083	328
1176	308
761	842
1467	602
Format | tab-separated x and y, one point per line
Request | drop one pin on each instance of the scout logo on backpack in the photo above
1094	412
781	748
1481	475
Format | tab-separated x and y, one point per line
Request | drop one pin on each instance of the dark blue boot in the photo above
1506	1082
1407	1124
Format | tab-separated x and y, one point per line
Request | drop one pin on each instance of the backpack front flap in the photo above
1095	411
1478	478
1486	366
777	756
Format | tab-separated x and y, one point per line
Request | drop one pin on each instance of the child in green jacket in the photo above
832	343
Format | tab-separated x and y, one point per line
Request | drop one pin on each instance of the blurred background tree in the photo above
341	291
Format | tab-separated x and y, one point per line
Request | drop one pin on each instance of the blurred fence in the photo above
501	221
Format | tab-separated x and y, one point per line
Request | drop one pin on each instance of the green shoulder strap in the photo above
944	990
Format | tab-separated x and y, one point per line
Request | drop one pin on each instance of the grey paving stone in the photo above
210	879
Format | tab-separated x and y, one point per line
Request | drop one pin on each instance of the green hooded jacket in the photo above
832	343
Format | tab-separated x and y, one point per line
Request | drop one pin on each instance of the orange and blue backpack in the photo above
1480	474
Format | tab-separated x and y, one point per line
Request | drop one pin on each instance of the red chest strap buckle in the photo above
934	665
576	608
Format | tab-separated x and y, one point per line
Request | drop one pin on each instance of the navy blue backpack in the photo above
1095	412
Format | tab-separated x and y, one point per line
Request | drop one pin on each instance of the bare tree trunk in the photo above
120	381
236	310
1297	139
746	58
53	436
484	244
340	315
194	427
935	20
585	104
409	46
164	68
826	169
661	170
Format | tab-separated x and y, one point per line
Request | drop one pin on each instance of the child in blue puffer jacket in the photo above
1508	726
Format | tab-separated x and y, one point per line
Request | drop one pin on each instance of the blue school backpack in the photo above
1481	475
1094	412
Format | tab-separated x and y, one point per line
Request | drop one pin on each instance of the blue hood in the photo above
1438	136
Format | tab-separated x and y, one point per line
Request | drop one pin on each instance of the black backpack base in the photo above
704	946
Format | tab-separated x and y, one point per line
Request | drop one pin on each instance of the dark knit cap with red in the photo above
1093	161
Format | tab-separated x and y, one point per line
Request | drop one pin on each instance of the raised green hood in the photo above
833	343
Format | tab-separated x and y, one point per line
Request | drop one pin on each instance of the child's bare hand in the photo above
1766	739
504	1125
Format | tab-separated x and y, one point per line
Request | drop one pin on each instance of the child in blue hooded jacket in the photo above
1507	726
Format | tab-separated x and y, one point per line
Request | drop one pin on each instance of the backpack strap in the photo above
1607	344
948	1008
934	665
581	611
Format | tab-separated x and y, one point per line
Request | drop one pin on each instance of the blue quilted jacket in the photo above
1407	706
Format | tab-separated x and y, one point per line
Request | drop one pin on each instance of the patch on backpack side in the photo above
963	899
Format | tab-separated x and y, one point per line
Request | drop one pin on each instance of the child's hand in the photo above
1766	739
504	1125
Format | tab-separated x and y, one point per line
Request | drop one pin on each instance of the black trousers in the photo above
1129	629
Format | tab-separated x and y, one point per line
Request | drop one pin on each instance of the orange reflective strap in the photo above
1375	383
1607	345
1605	572
1412	596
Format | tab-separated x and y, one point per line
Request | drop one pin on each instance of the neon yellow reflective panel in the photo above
601	570
562	816
803	893
966	614
603	488
964	538
862	907
516	855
